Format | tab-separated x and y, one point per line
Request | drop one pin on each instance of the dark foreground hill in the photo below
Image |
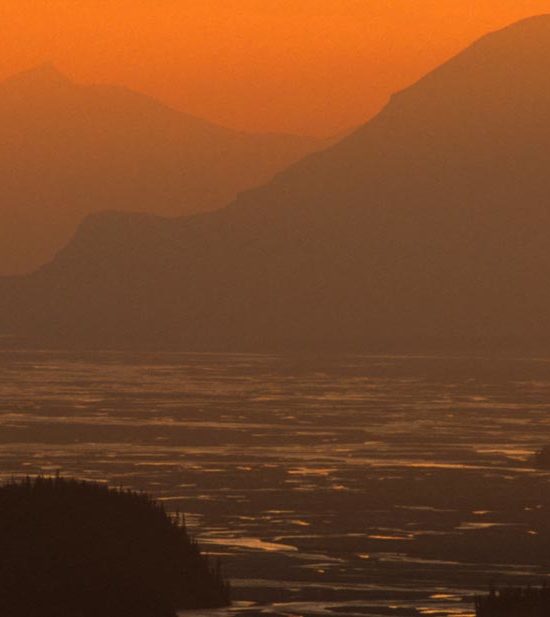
78	549
67	150
427	227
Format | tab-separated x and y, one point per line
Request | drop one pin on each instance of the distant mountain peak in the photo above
71	148
46	74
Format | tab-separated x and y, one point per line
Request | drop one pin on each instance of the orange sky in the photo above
307	66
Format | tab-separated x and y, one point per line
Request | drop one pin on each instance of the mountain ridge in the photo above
70	149
427	227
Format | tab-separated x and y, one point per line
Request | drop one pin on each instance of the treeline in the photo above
542	458
82	549
515	602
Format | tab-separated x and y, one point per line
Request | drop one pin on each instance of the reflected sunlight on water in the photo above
412	476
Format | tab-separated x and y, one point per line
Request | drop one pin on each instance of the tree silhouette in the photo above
82	549
515	602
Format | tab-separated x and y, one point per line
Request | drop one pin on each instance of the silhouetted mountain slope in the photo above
427	226
67	150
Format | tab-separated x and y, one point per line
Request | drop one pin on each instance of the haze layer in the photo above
427	226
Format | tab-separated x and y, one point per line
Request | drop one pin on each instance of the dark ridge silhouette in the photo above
542	458
81	549
425	229
68	150
514	602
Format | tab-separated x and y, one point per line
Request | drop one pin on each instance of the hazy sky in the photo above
307	66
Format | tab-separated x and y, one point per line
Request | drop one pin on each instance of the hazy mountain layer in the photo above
67	150
429	226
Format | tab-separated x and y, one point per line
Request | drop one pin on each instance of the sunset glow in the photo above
305	66
274	302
